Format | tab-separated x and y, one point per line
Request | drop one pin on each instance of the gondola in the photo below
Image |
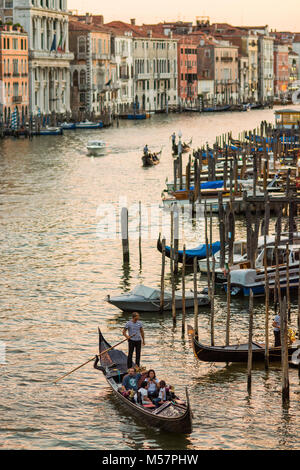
173	416
151	159
234	353
199	252
186	147
295	359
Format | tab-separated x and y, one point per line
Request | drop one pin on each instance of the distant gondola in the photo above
186	147
234	353
173	416
198	252
151	159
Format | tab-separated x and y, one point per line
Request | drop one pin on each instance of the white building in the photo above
123	50
46	22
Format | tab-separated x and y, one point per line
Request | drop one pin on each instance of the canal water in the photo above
61	256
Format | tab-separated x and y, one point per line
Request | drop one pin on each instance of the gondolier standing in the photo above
276	330
135	338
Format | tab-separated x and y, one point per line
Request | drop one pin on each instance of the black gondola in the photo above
173	416
234	353
295	359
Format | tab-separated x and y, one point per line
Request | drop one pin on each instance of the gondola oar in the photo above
93	358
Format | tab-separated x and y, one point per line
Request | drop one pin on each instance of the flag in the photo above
53	45
108	83
59	47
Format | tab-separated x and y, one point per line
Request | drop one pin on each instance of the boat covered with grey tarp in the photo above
147	299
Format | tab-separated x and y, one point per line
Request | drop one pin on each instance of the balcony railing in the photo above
17	99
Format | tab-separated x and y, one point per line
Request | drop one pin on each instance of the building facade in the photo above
13	73
6	11
93	70
281	69
187	71
46	22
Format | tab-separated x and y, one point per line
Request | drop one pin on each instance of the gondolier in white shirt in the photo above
135	338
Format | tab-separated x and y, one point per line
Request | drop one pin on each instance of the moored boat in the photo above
89	125
199	252
245	280
172	416
147	299
51	131
235	352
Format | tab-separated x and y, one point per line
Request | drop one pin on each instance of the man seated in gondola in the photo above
130	381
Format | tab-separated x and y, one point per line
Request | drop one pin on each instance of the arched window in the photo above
82	80
81	45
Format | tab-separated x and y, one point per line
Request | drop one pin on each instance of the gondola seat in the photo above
149	406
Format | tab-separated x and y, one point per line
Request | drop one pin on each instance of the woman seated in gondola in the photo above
152	384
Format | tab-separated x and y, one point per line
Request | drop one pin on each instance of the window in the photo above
15	43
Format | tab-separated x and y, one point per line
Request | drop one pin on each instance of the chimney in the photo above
132	21
88	18
101	20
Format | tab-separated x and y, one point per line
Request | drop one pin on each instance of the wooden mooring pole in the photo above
183	291
162	279
124	233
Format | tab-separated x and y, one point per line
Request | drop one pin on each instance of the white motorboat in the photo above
239	256
96	147
147	299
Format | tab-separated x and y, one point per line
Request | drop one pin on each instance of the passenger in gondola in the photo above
162	394
154	157
141	396
131	380
152	382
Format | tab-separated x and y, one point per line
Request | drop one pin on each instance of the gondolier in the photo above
276	330
135	338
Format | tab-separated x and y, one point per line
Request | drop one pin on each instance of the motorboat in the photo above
147	299
51	131
239	256
68	125
96	147
89	125
245	280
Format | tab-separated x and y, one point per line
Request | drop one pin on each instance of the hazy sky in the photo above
282	15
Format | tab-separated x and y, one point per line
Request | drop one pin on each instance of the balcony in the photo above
17	99
226	59
124	76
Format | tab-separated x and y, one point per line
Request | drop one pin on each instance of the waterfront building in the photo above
218	61
93	73
294	64
187	71
154	67
6	11
46	22
281	69
296	48
14	89
265	62
244	78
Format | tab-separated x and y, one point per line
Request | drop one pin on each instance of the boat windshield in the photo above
240	248
146	292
